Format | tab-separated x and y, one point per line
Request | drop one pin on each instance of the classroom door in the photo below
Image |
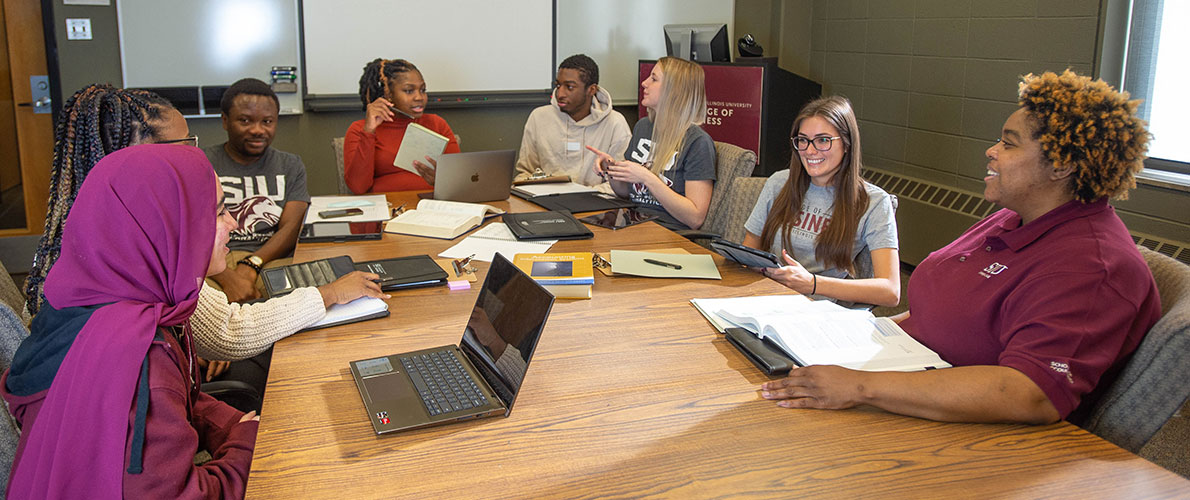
26	136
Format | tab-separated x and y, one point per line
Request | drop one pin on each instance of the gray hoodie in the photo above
558	145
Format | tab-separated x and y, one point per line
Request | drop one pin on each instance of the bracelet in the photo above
815	290
249	263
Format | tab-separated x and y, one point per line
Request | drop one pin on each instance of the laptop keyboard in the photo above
315	273
442	382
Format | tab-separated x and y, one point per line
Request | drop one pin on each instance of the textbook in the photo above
821	332
361	309
566	275
441	219
418	143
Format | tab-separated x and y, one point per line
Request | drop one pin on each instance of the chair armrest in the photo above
696	235
239	395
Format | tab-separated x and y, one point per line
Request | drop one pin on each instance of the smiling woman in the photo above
820	214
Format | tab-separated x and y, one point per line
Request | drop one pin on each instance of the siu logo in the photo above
995	268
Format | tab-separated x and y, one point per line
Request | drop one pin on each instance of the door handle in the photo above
39	90
44	101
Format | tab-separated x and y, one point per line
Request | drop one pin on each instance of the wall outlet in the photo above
78	29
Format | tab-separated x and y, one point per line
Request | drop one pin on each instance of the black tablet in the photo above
747	256
618	218
340	231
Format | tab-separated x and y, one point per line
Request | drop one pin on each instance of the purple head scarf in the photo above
138	238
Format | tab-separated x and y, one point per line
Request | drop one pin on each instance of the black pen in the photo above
662	264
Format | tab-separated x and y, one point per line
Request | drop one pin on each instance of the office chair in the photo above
1156	381
12	332
732	200
337	145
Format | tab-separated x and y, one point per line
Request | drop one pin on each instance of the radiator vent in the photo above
972	204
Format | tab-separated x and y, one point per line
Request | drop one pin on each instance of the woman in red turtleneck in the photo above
395	95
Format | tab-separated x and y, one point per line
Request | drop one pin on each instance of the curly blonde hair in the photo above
1087	125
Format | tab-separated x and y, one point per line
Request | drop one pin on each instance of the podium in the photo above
751	103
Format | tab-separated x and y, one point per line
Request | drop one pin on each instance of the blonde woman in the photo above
669	167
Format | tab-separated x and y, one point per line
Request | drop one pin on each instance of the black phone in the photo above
618	218
344	212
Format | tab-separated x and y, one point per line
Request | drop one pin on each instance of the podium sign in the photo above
734	103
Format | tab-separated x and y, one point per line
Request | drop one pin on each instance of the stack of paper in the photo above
494	238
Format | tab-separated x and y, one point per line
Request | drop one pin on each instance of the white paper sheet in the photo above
375	207
493	238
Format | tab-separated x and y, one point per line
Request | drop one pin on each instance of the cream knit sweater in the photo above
231	332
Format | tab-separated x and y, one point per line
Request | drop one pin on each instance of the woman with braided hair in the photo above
394	95
99	120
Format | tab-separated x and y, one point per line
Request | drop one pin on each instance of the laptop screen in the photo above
505	324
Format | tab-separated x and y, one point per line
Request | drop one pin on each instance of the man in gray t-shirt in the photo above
264	189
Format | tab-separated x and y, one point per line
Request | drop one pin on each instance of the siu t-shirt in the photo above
255	194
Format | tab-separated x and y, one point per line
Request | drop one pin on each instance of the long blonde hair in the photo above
834	244
683	103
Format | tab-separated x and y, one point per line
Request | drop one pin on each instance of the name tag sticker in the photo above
573	146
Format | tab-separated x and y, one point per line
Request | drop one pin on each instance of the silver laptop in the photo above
480	377
475	177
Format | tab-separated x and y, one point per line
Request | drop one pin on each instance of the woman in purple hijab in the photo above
106	387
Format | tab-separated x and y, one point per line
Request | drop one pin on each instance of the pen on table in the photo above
663	264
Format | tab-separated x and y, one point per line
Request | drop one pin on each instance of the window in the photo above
1155	71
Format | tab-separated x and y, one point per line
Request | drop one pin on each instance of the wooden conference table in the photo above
633	394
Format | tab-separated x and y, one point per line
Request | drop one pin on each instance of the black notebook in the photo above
551	225
581	202
405	272
401	272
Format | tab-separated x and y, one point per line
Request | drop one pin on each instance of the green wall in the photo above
933	80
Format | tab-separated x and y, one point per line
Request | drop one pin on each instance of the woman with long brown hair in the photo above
820	214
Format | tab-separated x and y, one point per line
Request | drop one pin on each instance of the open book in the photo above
361	309
418	143
441	219
824	333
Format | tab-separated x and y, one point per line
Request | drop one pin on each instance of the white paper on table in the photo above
554	188
493	238
375	207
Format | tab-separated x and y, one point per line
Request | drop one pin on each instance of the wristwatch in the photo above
252	261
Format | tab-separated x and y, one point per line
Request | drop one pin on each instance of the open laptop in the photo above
480	377
475	177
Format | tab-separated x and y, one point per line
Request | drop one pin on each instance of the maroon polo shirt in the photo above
1064	299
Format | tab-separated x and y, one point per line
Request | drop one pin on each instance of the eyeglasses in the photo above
189	141
821	143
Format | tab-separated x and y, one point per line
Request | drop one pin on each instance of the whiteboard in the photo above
459	45
172	43
618	33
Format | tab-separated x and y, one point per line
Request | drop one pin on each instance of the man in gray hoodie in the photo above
580	114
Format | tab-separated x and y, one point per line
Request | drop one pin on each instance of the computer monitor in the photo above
698	42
